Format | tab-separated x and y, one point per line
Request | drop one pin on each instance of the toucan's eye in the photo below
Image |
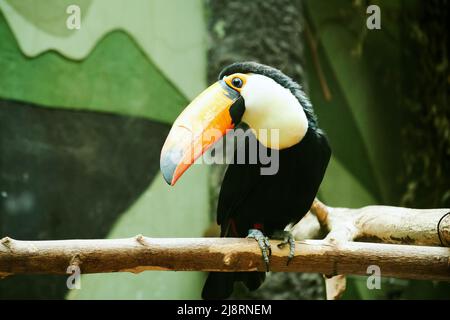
237	82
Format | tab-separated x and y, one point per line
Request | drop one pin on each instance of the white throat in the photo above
271	108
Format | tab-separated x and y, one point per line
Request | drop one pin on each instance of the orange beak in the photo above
204	121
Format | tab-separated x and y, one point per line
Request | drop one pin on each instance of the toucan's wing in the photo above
287	195
314	156
239	182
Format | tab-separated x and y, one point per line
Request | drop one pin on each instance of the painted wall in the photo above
83	116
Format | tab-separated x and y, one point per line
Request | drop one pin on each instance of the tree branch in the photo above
219	254
407	245
381	224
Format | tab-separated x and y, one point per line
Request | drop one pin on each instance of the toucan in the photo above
253	204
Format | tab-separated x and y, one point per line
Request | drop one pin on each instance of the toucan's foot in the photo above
263	243
287	238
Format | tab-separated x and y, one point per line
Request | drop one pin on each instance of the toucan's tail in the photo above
219	285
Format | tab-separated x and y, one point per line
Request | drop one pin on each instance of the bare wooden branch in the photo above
220	254
335	287
381	224
415	246
321	212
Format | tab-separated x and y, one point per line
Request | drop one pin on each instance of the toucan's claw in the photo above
287	238
263	243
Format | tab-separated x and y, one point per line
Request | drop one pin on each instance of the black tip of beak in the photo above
168	164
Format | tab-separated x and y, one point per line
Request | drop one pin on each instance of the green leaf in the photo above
362	117
338	182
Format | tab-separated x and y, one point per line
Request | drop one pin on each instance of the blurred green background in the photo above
84	114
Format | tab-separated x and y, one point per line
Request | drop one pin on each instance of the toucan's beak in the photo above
204	121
